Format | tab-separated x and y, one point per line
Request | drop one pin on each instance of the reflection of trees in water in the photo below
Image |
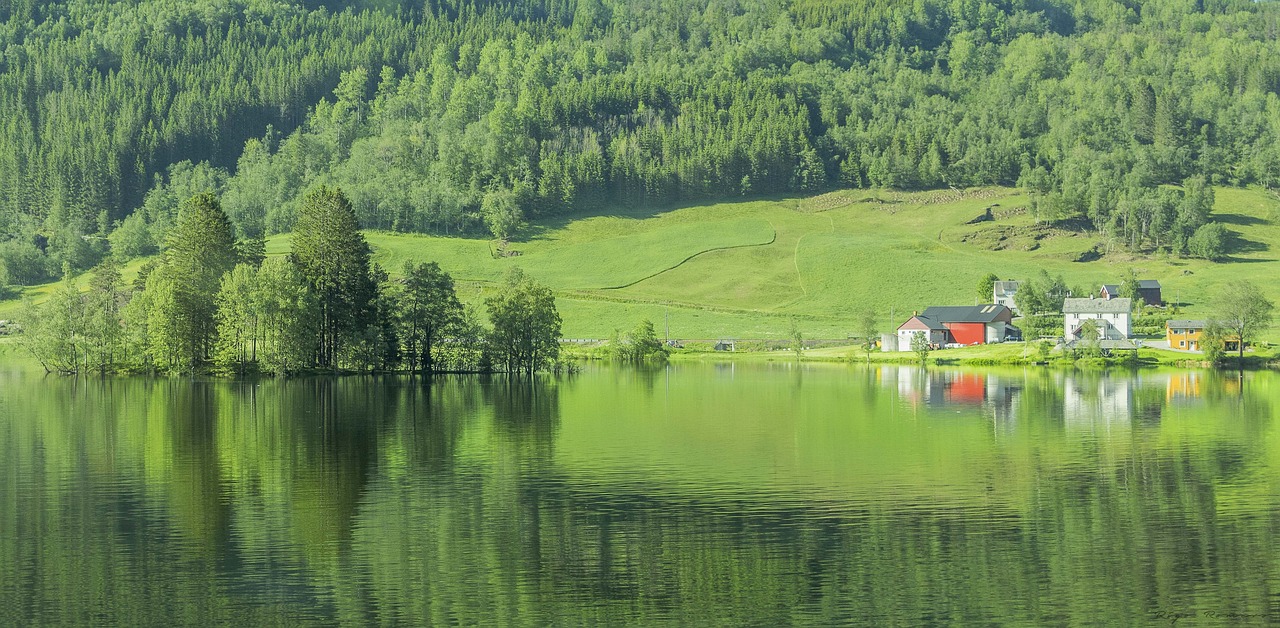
434	412
197	498
349	499
526	411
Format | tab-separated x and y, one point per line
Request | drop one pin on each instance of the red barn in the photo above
973	324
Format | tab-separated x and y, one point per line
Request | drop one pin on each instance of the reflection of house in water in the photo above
1004	396
956	390
913	384
1092	401
1183	387
966	388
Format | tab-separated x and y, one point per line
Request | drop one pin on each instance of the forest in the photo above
213	303
477	117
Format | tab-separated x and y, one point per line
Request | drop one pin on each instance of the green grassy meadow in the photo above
747	269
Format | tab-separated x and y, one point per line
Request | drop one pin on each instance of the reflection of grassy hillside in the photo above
745	269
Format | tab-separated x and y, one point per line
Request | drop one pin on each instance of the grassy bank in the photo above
1005	354
746	270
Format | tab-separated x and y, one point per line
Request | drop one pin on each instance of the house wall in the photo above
967	333
1006	300
1118	320
936	337
1183	338
1151	296
995	331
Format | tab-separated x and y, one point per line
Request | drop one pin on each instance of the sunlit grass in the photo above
748	269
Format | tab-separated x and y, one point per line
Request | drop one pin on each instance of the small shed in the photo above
1149	291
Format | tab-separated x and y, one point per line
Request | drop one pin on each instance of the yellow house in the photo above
1184	335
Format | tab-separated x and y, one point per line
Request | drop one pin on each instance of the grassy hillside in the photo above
746	269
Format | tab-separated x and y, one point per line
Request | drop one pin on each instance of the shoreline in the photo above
13	357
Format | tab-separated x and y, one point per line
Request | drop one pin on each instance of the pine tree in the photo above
198	252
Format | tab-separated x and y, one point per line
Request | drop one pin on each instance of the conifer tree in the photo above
333	257
199	251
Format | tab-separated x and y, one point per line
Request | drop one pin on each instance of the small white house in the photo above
1114	317
1004	293
934	331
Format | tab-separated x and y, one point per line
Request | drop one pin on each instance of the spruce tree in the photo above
199	251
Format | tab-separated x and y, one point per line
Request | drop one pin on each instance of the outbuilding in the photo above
961	324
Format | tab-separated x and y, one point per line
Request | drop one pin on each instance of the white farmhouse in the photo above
1113	315
1005	293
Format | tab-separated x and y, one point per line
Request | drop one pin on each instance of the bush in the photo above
23	263
132	238
638	346
1209	241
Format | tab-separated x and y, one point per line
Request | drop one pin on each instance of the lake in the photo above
697	494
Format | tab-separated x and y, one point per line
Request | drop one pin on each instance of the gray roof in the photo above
1090	306
930	322
985	313
926	321
1006	287
1148	284
1185	323
1113	288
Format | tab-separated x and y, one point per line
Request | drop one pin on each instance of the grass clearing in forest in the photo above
748	269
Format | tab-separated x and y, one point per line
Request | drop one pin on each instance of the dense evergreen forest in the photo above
477	116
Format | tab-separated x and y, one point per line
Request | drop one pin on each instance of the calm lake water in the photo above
699	494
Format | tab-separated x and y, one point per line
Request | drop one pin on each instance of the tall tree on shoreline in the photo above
1243	311
332	255
526	325
428	308
198	252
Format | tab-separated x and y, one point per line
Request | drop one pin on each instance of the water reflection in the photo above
690	494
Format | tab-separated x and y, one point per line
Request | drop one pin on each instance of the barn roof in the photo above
985	313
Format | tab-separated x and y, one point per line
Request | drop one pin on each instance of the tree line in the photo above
210	301
446	117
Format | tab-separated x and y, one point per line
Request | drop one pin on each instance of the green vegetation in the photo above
1242	311
920	346
211	301
450	117
638	346
526	326
822	260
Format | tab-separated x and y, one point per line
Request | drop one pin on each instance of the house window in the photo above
1182	343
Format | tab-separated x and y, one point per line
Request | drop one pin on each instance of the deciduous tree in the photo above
526	325
1243	311
428	309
